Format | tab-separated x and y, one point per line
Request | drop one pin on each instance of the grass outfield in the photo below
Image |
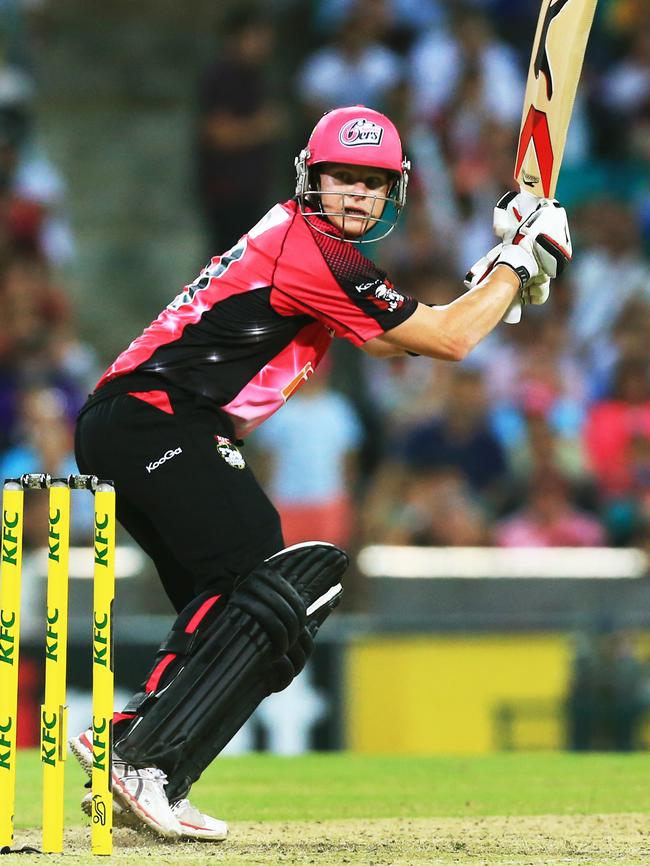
591	809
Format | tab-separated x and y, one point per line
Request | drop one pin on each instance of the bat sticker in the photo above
536	128
542	64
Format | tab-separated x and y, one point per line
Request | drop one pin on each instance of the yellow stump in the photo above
103	685
54	710
10	574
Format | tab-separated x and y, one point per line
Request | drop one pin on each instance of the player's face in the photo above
353	196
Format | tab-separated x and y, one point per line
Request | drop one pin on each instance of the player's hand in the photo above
519	257
549	231
483	267
535	290
511	210
543	220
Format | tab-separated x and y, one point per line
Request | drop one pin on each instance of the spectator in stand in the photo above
31	188
239	124
431	507
613	425
45	444
548	518
37	340
543	450
617	438
310	450
405	392
406	17
624	90
457	517
611	256
466	91
626	15
357	68
460	437
442	62
21	219
538	377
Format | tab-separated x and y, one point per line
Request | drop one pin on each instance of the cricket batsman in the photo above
167	419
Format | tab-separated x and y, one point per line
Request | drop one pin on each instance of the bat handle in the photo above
514	311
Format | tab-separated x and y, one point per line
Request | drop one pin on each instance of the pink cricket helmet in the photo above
354	135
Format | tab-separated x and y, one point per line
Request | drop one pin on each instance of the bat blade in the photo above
556	63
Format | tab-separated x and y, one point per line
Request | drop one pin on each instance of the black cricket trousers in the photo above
182	490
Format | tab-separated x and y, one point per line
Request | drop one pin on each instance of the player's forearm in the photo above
449	333
472	316
377	348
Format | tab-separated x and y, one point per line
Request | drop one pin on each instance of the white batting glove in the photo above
519	257
483	267
511	210
548	229
535	289
516	256
544	221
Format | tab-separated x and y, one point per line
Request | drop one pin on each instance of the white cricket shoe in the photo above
121	817
142	792
195	825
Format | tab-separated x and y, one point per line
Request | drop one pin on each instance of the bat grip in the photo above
514	311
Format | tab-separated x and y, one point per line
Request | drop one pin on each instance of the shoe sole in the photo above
123	818
191	833
80	750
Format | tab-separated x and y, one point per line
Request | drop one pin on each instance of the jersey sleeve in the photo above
333	282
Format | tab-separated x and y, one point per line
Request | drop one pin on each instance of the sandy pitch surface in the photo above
589	840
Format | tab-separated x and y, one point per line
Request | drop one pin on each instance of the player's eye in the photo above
374	181
344	177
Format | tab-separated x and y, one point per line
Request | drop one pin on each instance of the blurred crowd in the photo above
542	437
46	370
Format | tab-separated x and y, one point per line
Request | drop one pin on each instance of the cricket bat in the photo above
555	66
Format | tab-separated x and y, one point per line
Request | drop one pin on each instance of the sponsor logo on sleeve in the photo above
359	132
382	294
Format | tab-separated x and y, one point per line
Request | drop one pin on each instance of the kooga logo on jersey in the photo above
166	456
361	131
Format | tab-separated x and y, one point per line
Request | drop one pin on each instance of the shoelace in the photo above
155	774
183	805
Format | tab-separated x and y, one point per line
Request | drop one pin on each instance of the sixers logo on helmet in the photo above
361	131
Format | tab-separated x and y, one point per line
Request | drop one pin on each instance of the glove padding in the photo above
535	291
511	210
545	222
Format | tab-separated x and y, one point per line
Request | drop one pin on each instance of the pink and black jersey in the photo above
258	319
